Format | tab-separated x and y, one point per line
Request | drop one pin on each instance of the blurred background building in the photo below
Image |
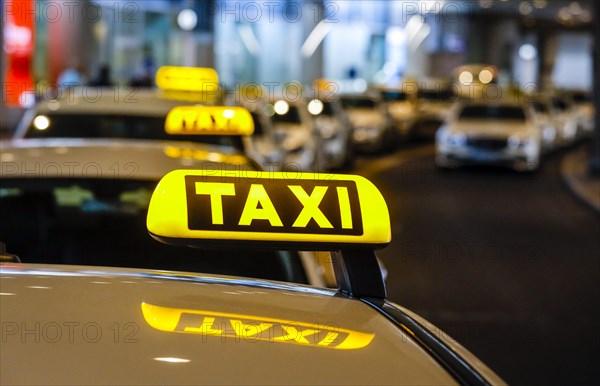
535	43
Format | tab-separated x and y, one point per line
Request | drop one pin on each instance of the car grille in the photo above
487	143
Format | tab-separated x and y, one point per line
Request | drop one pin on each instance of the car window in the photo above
258	126
358	103
559	104
394	96
292	115
103	223
436	96
328	109
117	126
540	107
493	112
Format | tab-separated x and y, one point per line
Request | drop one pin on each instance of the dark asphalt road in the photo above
507	264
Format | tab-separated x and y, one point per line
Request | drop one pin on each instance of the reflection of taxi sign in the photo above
314	211
209	120
194	79
253	328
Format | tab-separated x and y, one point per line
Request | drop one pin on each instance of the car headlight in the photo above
516	142
456	139
365	133
549	134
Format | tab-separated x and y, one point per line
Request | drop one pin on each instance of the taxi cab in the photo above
373	126
497	133
295	129
85	199
82	325
127	113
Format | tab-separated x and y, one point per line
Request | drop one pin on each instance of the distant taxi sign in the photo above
193	79
245	209
209	120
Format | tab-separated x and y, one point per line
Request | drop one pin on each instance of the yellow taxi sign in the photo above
193	79
253	328
258	209
209	120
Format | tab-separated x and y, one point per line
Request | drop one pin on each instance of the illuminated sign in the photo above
253	328
307	208
193	79
209	120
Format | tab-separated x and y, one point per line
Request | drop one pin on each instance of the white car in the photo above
295	131
403	110
333	125
108	326
566	119
264	139
545	116
84	202
125	114
586	112
503	133
435	100
373	127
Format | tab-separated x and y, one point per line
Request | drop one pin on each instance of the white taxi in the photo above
128	113
90	326
373	126
503	133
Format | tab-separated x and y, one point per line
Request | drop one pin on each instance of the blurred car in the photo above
566	119
435	98
503	133
264	139
84	202
295	131
586	112
147	327
142	116
402	107
333	125
372	124
545	117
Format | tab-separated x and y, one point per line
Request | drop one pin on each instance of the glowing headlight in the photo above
515	142
315	107
456	139
41	122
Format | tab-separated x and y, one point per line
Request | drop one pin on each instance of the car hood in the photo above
89	325
491	128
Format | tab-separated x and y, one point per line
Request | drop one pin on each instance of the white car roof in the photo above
144	327
113	101
110	158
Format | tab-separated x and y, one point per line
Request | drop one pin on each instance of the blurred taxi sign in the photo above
236	209
253	328
192	79
209	120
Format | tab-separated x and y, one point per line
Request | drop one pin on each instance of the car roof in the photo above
114	101
104	158
145	327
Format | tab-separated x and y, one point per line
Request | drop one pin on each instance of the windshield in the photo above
397	96
258	126
436	96
358	103
117	126
559	104
292	115
103	223
493	112
540	107
328	109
